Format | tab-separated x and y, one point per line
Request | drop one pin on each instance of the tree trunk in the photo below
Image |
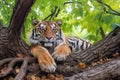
11	44
10	40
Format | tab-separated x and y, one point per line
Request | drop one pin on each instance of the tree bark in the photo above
10	40
107	71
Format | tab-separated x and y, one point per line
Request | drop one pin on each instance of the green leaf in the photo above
81	12
107	19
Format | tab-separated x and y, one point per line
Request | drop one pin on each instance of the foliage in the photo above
6	7
81	18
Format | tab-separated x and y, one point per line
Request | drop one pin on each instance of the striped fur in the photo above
41	34
49	43
77	44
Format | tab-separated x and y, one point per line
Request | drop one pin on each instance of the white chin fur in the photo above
33	41
48	44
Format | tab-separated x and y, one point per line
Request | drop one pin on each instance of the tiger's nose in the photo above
48	37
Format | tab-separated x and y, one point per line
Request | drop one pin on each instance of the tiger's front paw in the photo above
61	52
47	64
45	60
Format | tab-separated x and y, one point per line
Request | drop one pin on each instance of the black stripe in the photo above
32	33
60	33
82	45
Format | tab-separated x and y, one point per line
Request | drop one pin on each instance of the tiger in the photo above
49	44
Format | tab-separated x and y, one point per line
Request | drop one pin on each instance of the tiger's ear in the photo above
59	22
35	22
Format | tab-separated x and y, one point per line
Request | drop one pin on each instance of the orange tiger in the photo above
48	44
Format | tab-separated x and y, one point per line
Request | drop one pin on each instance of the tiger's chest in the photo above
50	46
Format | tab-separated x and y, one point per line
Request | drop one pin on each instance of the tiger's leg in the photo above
45	60
61	52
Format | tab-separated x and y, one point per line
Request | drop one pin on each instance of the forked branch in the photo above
54	13
109	10
11	64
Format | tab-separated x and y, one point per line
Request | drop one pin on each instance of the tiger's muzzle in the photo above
49	41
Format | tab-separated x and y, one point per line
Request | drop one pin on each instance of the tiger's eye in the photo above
55	30
42	27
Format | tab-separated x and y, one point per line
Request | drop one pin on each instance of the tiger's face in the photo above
47	33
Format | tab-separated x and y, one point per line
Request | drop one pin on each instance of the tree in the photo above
11	45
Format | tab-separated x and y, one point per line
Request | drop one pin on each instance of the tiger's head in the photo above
47	33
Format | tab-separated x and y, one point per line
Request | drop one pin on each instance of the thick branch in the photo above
105	71
106	47
20	12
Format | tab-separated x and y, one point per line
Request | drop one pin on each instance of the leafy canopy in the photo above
81	18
